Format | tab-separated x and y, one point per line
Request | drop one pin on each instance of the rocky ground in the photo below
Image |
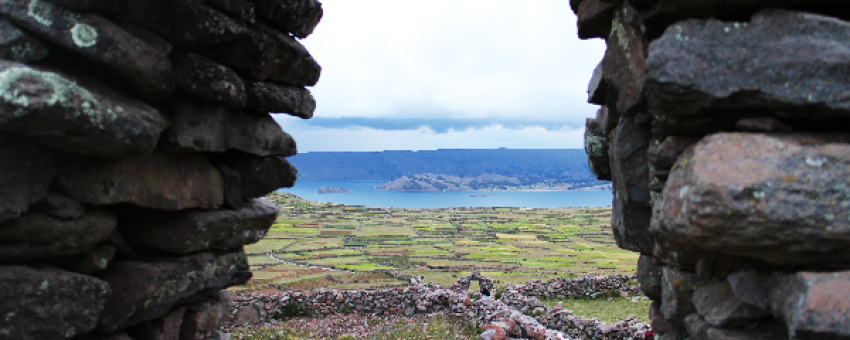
357	326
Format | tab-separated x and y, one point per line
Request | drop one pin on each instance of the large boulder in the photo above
596	148
36	236
778	198
629	143
192	231
147	289
813	305
594	19
717	304
265	53
781	61
677	291
205	127
262	175
630	224
624	62
277	98
203	318
140	65
62	114
47	303
26	171
159	181
209	80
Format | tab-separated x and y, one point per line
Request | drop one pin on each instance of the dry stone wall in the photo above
135	147
723	127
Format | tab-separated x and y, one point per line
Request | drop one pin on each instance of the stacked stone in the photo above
582	328
136	144
722	126
585	286
465	282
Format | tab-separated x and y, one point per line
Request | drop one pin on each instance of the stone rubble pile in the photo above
492	315
136	145
722	125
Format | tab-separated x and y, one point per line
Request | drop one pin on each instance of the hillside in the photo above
528	165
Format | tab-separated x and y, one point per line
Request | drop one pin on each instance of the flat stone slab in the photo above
265	53
624	62
26	171
204	127
276	98
142	66
59	112
192	231
147	289
47	303
813	305
298	17
35	236
779	198
262	175
20	46
783	62
159	181
209	80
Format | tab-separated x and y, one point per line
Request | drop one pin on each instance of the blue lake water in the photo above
363	194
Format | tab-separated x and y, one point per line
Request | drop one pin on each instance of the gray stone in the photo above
596	88
208	80
813	305
748	286
594	19
183	23
262	175
147	36
624	63
26	171
292	100
35	236
159	181
91	261
147	289
164	328
192	231
630	224
17	45
232	186
204	127
60	206
62	114
786	196
767	329
656	319
143	67
662	155
716	69
298	17
596	148
242	9
47	303
264	53
203	318
677	290
649	275
719	307
628	155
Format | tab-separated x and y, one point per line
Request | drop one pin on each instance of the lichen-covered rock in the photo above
147	289
143	67
596	148
62	114
276	98
262	175
812	305
264	53
208	80
17	45
677	290
192	231
204	127
719	307
159	181
663	154
781	61
35	236
624	62
47	303
26	171
781	199
298	17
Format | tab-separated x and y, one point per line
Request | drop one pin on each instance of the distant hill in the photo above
530	165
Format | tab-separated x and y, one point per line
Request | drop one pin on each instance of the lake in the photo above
364	195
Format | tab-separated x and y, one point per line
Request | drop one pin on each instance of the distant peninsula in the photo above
324	190
489	182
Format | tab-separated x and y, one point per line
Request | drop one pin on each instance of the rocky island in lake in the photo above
324	190
487	181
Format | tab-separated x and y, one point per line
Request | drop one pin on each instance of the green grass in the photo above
606	311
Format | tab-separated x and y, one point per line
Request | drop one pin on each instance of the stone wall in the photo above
135	146
723	125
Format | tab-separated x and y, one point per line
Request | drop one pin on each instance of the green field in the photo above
356	247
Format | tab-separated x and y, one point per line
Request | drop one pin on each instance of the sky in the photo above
447	74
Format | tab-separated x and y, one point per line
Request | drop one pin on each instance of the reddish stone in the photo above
165	328
594	19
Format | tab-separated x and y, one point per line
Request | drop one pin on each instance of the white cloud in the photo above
452	59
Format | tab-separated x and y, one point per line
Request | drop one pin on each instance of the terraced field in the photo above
325	245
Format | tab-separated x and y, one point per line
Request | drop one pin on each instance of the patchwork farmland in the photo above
324	245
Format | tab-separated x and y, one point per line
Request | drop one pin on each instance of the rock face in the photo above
134	137
45	303
724	123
